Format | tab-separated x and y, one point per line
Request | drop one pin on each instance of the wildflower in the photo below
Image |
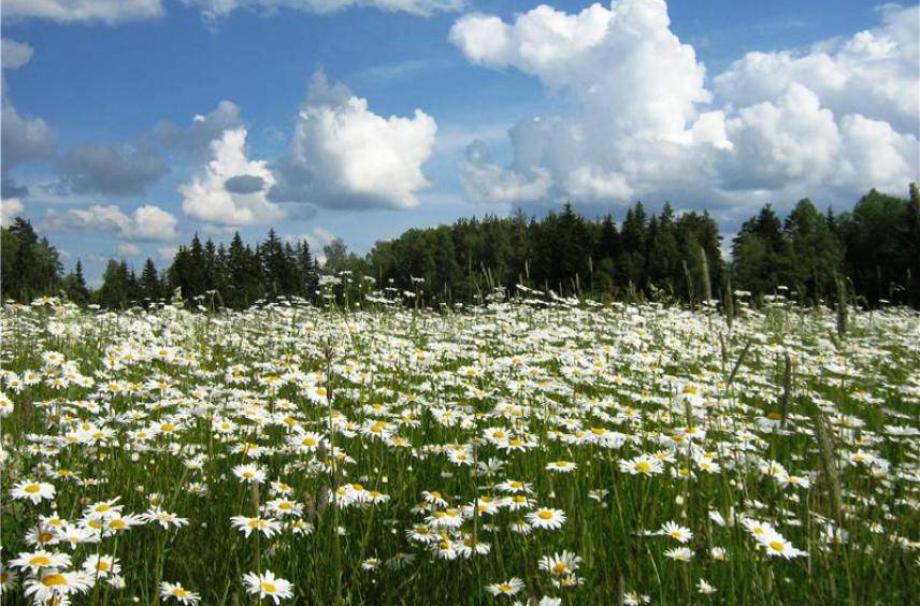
718	554
676	532
642	465
681	554
36	560
508	588
33	491
547	518
561	466
704	587
777	546
164	518
250	473
268	585
267	526
560	564
101	566
54	586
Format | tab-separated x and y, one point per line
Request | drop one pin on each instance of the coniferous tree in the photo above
74	285
150	284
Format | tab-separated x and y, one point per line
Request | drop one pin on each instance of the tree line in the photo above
874	250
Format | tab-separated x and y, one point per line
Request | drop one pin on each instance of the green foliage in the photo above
30	265
664	257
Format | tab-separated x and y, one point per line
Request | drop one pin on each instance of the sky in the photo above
129	125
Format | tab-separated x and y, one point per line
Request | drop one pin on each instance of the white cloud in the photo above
128	249
345	156
147	222
10	208
206	197
317	238
874	72
196	138
167	253
14	54
24	139
485	181
841	118
214	9
70	11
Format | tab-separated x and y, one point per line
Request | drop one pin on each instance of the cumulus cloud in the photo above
214	9
841	117
873	73
207	198
167	253
14	55
128	249
196	138
24	139
146	223
345	156
120	170
72	11
10	208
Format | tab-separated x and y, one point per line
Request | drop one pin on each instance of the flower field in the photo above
532	454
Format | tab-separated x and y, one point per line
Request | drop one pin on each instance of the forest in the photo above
873	250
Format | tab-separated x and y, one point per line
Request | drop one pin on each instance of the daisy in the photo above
180	593
101	566
36	560
164	518
642	465
561	466
545	517
34	491
509	587
560	564
267	526
704	587
676	532
250	473
54	586
777	546
681	554
268	585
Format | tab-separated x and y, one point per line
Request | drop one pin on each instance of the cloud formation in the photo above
207	198
146	223
343	155
73	11
14	54
196	139
118	170
23	139
10	208
214	9
839	118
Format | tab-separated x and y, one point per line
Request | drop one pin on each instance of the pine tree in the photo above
150	285
75	285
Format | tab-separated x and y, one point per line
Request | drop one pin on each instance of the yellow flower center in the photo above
268	587
39	561
777	546
643	467
53	580
32	488
560	568
545	515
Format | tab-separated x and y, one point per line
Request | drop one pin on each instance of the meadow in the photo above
536	452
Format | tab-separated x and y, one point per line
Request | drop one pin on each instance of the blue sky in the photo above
89	83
